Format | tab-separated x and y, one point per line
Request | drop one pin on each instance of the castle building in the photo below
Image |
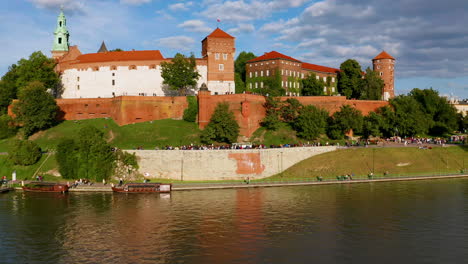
108	74
384	64
291	71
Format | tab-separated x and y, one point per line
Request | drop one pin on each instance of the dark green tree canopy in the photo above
240	62
7	127
37	68
223	126
372	86
181	73
311	86
410	119
24	152
349	79
311	122
36	109
344	120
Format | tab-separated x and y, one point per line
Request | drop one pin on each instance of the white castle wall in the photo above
221	164
142	80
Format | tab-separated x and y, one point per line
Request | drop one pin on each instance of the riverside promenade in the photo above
99	187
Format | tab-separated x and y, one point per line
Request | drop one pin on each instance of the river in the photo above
392	222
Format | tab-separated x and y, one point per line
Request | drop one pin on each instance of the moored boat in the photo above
143	188
45	187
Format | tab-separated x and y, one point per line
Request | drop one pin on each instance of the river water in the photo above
393	222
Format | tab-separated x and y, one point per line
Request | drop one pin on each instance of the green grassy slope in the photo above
395	161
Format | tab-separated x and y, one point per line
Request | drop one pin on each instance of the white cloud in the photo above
176	42
135	2
181	6
195	26
242	28
68	5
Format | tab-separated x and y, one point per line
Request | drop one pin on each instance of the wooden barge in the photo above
143	188
45	187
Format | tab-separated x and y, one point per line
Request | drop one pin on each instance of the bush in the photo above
24	152
67	158
223	126
311	122
190	114
7	129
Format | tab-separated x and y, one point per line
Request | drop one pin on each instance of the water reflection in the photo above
385	222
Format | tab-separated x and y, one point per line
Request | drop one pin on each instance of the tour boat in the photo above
45	187
143	188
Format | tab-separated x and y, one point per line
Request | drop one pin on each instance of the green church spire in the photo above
61	34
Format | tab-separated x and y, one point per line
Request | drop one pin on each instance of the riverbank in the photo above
243	185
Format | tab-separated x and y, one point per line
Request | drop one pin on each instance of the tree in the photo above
241	60
311	122
117	49
37	68
341	122
290	110
311	86
181	73
126	164
7	129
372	86
96	158
438	109
67	157
372	125
410	120
190	114
24	152
271	120
240	85
8	88
36	109
223	126
349	79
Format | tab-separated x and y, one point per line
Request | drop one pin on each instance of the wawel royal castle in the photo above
138	73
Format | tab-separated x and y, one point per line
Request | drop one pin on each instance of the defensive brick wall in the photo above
247	108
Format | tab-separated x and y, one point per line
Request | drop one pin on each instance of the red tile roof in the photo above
218	33
383	55
319	68
273	55
140	55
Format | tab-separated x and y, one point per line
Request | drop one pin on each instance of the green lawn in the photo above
26	172
396	161
147	135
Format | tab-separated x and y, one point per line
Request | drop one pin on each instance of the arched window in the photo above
59	40
152	66
132	67
113	68
60	23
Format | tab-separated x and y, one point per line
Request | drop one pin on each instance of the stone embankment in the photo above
202	165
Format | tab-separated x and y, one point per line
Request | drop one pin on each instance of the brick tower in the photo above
219	50
384	65
61	35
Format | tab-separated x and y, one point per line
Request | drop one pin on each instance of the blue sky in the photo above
428	38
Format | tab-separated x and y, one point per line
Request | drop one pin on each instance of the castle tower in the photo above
384	65
61	35
219	50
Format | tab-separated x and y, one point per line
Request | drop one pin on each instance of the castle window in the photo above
282	72
324	89
261	63
256	74
98	105
113	74
78	87
250	85
96	69
272	62
221	67
302	76
261	84
60	23
317	77
59	40
216	56
113	82
132	67
113	68
78	78
152	66
381	73
282	83
261	73
250	73
324	79
256	85
225	56
267	72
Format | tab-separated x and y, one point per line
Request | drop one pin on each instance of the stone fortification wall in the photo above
124	109
221	164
